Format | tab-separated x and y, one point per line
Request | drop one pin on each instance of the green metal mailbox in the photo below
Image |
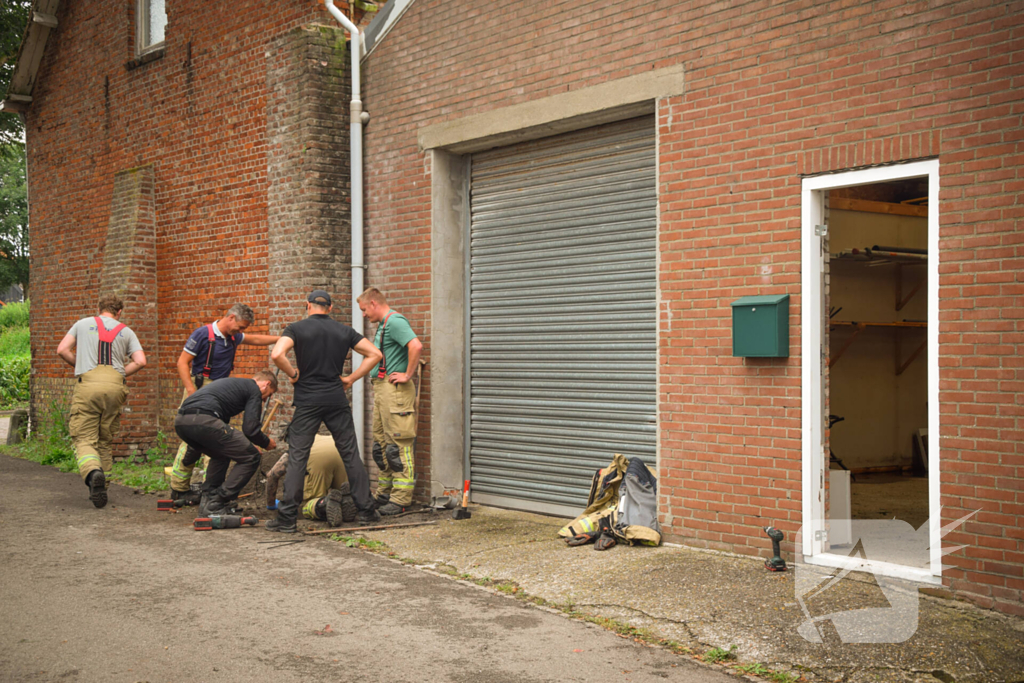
760	326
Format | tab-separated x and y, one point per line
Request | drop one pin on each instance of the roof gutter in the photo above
42	20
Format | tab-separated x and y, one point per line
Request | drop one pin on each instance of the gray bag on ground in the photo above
637	511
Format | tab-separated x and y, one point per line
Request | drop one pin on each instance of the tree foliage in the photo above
13	17
13	217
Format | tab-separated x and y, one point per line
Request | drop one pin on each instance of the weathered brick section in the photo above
129	271
773	90
308	193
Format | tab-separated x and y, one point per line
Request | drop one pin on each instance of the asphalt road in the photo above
130	594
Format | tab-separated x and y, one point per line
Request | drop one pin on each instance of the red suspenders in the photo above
210	338
209	350
107	337
382	371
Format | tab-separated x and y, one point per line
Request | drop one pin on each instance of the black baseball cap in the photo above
319	297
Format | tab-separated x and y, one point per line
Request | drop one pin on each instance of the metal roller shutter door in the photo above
563	316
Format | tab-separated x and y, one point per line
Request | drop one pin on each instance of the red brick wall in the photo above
199	117
773	90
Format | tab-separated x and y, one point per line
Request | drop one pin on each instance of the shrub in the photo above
14	315
14	380
14	341
57	435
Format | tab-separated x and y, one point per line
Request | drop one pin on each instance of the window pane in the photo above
157	21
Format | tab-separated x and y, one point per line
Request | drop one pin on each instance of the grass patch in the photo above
146	472
51	445
757	669
717	654
358	542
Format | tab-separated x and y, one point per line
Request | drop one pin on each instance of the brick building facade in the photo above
768	94
753	108
213	171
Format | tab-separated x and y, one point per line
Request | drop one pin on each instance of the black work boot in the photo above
283	526
189	497
212	503
365	517
320	509
391	509
332	508
97	483
378	503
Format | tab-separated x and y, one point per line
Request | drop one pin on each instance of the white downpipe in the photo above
356	166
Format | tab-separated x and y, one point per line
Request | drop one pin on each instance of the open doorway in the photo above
877	374
870	380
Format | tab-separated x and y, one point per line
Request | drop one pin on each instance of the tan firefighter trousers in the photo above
96	417
394	433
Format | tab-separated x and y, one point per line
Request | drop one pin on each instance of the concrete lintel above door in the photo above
616	100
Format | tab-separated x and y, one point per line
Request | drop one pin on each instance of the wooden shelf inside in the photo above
901	365
852	323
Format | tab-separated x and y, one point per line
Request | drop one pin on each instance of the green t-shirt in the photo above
397	334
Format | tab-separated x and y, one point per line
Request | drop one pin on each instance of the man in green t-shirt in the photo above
394	395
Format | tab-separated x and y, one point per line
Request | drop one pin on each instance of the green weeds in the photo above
757	669
15	359
717	654
358	542
14	341
14	315
51	445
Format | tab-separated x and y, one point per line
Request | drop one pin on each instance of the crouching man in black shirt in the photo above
202	423
321	345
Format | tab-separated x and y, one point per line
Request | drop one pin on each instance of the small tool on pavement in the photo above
775	563
463	511
223	522
278	544
379	527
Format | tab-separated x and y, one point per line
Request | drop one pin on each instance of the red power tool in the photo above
223	522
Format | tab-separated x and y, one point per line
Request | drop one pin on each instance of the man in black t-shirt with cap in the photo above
321	346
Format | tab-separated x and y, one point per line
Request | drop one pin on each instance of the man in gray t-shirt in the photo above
104	352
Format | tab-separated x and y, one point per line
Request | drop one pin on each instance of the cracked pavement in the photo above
129	594
703	599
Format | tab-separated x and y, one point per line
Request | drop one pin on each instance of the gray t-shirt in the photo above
87	344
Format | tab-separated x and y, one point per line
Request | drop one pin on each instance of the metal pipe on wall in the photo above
356	170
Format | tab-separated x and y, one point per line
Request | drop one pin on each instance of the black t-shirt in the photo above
321	347
228	397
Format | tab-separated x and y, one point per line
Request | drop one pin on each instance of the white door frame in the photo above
812	325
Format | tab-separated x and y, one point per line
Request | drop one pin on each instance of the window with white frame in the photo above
152	20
